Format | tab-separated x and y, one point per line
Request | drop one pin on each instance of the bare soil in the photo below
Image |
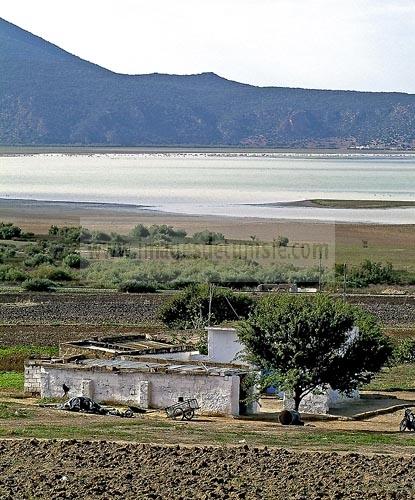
137	309
87	469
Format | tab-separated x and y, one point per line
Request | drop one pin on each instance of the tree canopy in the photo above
303	343
189	308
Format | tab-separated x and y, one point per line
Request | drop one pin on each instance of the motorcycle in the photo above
408	421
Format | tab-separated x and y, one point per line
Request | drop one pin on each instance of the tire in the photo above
177	413
402	425
188	414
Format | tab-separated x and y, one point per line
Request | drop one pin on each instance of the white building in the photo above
152	374
140	371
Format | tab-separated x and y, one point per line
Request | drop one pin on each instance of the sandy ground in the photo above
39	216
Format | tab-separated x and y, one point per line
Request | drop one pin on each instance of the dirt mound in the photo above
76	469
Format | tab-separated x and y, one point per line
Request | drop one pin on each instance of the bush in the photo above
100	237
8	252
282	241
163	233
54	273
9	231
118	250
208	237
73	234
12	274
75	261
38	285
135	286
190	307
38	260
404	352
139	232
371	273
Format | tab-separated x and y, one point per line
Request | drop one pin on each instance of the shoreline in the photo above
204	150
37	216
317	204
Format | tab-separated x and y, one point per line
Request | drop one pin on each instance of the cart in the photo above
185	410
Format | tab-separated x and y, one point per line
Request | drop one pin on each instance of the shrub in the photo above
12	274
58	274
75	261
118	250
100	237
38	285
208	237
139	232
190	307
135	286
9	231
371	273
282	241
73	234
37	260
404	352
8	252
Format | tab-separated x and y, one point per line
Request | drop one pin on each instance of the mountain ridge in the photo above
51	97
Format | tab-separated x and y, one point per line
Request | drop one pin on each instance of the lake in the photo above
218	183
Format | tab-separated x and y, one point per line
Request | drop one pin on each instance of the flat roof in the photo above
140	366
131	345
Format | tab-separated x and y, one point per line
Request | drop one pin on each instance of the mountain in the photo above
51	97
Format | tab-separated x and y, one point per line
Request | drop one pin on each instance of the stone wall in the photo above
32	379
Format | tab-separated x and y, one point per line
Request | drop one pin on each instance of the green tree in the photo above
303	343
190	307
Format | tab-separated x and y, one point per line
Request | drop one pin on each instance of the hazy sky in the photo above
347	44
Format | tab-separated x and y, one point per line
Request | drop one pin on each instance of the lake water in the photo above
225	184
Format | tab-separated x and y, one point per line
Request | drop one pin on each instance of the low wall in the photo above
215	394
32	379
322	402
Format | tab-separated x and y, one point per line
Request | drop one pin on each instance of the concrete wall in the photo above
223	345
215	394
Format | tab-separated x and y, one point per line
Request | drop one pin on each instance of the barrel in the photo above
287	417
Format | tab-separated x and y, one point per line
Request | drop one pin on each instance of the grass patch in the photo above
12	412
11	380
13	358
144	431
395	378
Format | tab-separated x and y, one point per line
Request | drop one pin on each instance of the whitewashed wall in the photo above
224	345
321	402
217	395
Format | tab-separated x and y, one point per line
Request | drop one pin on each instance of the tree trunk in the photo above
297	398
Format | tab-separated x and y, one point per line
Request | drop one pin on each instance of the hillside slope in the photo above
50	97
